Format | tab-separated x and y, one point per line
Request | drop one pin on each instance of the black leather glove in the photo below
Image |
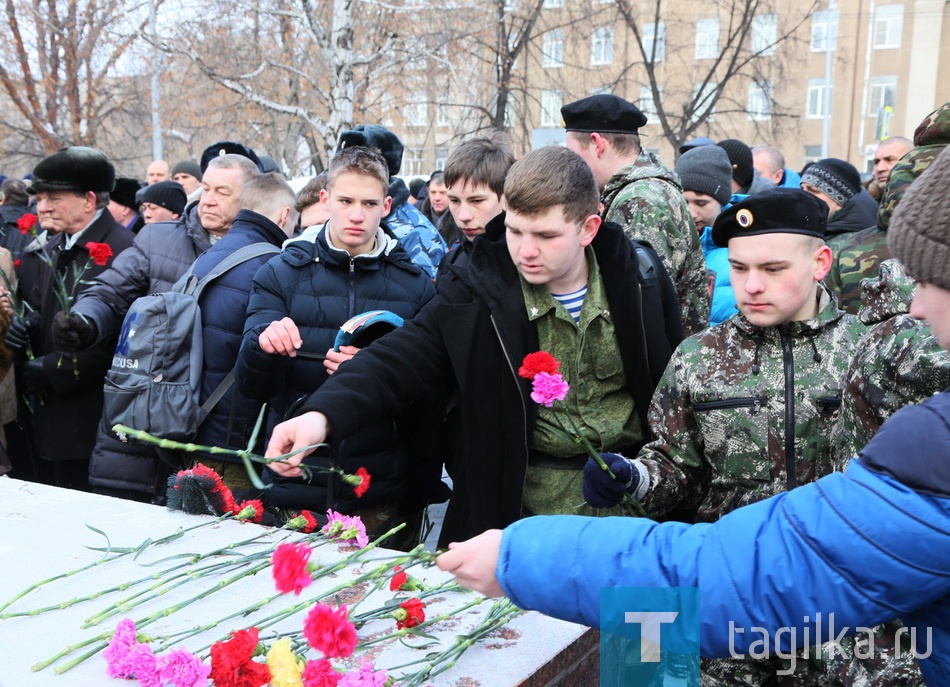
35	381
602	491
18	335
72	334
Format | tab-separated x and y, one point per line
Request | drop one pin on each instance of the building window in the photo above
812	153
655	34
412	163
883	94
764	34
441	155
550	108
824	26
553	49
819	95
647	104
707	39
442	110
416	111
760	101
888	26
704	97
602	46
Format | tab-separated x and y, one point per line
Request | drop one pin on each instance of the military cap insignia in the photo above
744	218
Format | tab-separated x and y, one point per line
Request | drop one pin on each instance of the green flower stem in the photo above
102	637
387	609
415	630
119	553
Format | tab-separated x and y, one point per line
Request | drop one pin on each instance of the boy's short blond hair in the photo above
550	177
267	194
358	160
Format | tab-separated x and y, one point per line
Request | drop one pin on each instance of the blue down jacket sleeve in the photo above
860	545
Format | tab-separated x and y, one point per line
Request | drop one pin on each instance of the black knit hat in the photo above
73	169
228	148
837	179
376	137
124	192
706	169
919	235
775	211
740	157
167	194
605	114
187	167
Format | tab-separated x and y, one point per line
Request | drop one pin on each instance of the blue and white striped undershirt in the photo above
573	302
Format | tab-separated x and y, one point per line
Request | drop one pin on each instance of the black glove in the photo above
35	381
73	334
602	491
18	335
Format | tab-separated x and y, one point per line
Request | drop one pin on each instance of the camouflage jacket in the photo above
646	199
856	257
898	363
721	412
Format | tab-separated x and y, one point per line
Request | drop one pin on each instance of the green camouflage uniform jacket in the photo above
646	199
721	411
898	363
858	255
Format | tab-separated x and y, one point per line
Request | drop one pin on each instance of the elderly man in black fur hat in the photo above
78	240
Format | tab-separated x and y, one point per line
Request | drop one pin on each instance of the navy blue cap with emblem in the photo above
228	148
775	211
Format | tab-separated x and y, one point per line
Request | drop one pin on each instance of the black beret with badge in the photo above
604	114
776	211
76	168
228	148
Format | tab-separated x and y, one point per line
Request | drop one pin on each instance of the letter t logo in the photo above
649	622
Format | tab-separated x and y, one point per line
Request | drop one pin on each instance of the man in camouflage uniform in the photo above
859	254
745	409
641	194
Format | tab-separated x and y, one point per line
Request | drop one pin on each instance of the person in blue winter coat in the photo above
267	217
852	549
706	177
298	303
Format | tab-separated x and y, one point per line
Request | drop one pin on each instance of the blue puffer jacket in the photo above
223	312
320	288
868	545
717	266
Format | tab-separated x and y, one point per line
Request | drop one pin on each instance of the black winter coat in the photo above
472	338
320	288
65	421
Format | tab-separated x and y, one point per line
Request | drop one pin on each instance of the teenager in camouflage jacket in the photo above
646	199
897	363
859	255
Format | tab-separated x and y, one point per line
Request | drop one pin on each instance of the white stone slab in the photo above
43	531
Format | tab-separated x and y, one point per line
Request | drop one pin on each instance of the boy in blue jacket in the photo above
858	548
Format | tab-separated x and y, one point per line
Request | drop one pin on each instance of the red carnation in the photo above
252	511
398	580
363	486
411	613
231	664
291	573
540	361
311	522
330	631
99	252
26	223
16	264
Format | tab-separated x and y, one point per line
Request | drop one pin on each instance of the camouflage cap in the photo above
935	129
902	174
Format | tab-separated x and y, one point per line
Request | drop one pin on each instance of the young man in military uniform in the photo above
641	194
745	410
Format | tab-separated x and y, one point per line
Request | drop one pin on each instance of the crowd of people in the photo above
729	330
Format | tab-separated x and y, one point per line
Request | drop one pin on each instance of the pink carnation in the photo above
347	529
117	653
181	668
548	388
143	666
366	676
